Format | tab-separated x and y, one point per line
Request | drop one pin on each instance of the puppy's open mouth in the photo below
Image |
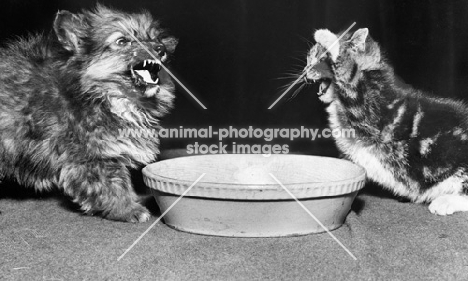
145	73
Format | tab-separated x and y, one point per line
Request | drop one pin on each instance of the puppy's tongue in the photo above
146	72
146	76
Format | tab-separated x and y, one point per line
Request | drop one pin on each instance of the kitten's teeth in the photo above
144	63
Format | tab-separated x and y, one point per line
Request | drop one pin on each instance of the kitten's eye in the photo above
122	41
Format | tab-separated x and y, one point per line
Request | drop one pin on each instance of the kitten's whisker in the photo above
288	89
305	39
290	75
286	86
295	73
286	78
297	91
298	58
310	66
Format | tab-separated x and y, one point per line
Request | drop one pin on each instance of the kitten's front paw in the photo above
449	204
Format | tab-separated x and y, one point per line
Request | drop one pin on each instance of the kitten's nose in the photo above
160	50
313	74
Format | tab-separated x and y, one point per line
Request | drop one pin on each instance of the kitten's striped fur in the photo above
409	142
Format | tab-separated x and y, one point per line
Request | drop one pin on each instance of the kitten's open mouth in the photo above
321	72
324	85
145	73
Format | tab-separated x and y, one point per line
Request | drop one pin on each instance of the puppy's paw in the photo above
138	214
135	213
449	204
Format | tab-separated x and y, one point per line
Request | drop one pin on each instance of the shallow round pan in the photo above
238	195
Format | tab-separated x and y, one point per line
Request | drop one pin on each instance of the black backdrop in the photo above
232	53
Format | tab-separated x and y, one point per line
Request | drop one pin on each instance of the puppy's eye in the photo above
122	41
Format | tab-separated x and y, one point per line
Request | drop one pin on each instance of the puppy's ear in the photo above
69	28
170	43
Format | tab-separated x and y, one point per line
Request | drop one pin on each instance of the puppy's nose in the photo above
160	50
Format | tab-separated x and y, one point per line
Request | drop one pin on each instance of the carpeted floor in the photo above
44	237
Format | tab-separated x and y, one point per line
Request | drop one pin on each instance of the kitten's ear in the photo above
359	39
69	28
328	40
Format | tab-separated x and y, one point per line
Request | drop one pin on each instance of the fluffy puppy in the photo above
66	98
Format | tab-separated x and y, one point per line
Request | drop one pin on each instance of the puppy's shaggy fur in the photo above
65	100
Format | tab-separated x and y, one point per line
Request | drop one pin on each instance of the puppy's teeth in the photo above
144	63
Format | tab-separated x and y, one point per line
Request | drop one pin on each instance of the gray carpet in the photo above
45	239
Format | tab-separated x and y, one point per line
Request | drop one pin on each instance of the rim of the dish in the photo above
230	190
362	172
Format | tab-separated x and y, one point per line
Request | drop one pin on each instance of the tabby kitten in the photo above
409	142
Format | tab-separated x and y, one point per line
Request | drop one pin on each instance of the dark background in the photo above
233	54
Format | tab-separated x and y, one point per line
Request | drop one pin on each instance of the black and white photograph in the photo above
234	140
